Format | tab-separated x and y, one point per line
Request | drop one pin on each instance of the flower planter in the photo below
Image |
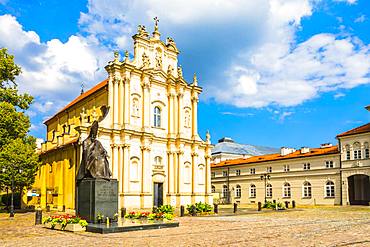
69	227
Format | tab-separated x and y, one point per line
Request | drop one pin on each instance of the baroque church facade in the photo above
147	116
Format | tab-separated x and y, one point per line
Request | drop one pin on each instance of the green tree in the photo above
17	147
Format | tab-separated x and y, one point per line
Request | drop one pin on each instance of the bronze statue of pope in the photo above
94	163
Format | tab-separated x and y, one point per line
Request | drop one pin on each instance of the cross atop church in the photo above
156	20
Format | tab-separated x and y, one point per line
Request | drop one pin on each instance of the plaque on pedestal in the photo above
97	196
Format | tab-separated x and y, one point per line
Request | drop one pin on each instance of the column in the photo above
175	115
119	164
127	96
126	165
116	105
121	104
43	186
60	184
111	98
114	160
194	117
180	121
146	104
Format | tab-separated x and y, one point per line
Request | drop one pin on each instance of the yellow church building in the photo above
150	133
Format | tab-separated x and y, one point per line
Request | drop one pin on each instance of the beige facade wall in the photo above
354	165
318	175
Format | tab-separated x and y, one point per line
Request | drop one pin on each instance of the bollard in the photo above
123	212
259	206
64	208
235	207
182	211
293	204
38	217
47	208
215	208
286	204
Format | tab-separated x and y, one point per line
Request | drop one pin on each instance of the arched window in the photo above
307	190
201	177
269	190
252	191
134	170
187	119
286	190
238	191
187	173
213	189
225	191
158	162
348	152
367	151
135	107
157	117
329	189
357	151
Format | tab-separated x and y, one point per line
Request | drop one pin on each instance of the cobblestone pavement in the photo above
335	226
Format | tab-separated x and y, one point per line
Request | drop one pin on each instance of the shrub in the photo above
165	209
272	205
199	207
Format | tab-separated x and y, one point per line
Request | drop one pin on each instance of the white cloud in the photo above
52	69
361	18
350	2
339	95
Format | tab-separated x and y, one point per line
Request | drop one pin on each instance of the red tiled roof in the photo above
81	97
278	156
362	129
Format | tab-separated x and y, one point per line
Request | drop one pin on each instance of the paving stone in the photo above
335	226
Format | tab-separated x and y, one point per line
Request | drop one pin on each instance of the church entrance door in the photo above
359	189
158	194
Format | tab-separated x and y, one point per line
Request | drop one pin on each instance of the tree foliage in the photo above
17	147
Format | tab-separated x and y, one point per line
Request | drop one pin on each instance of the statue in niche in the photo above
146	61
158	60
94	163
169	70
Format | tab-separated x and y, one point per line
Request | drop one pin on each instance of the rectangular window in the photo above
224	173
253	170
357	154
367	153
329	164
213	174
269	191
306	166
269	169
348	155
237	172
286	168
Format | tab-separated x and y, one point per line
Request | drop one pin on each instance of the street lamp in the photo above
11	214
265	177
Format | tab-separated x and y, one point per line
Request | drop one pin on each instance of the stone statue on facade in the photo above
94	163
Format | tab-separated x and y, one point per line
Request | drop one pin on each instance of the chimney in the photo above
305	150
285	151
326	145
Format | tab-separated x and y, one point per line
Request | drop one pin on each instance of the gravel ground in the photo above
328	226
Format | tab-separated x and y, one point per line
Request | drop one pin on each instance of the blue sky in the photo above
274	73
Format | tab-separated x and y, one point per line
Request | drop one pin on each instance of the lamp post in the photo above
11	213
265	177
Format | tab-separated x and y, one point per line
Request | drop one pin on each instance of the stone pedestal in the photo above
97	196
